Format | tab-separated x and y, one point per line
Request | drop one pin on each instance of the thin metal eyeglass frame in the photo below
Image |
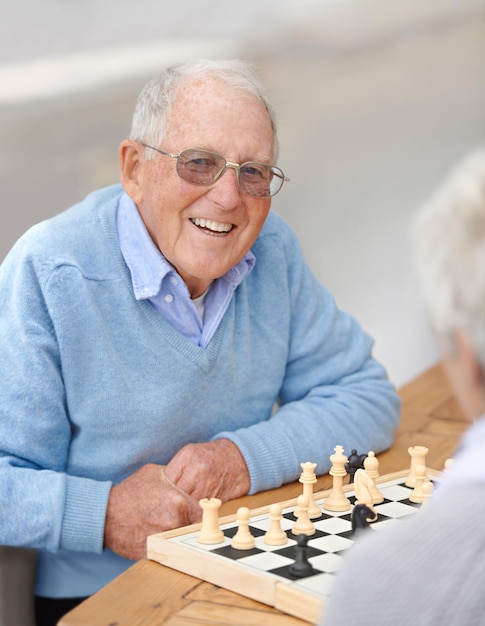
235	166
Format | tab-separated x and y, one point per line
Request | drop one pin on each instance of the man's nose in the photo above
226	188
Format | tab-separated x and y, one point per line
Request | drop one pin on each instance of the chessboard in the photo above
263	572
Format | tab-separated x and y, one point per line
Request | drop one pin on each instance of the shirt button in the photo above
173	281
168	298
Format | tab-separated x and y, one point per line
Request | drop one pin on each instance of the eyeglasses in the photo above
201	167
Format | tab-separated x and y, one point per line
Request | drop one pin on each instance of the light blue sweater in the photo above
95	384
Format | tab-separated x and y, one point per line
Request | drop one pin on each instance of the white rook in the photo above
210	532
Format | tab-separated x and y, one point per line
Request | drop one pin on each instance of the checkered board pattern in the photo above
262	573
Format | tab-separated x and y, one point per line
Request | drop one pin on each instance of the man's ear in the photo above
130	156
470	361
466	375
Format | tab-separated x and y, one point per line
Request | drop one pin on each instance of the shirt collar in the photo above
148	267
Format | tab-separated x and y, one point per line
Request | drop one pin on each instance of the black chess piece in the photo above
355	461
362	515
301	567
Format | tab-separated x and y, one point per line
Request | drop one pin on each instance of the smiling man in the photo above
164	341
204	229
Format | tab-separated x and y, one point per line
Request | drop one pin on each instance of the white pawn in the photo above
303	524
275	536
428	489
243	539
417	494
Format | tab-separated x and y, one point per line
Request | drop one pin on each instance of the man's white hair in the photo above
449	237
157	97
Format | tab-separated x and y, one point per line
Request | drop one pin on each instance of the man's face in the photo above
204	231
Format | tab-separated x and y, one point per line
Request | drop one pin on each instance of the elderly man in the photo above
164	341
429	570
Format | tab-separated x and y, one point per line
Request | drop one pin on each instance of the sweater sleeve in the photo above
42	505
333	391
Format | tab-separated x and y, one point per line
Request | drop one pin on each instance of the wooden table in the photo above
149	594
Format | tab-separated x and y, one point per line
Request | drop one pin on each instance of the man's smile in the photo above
211	226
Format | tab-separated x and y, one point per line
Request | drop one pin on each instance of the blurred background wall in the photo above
376	101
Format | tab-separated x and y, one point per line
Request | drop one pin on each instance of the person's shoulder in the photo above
75	236
277	235
73	223
276	225
93	207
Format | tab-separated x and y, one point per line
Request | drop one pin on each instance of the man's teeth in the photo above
217	227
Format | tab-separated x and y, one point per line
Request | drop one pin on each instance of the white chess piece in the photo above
428	489
308	478
371	466
210	533
418	457
363	484
336	500
303	524
417	494
275	535
243	539
448	464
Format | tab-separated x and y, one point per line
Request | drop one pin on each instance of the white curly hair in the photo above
449	238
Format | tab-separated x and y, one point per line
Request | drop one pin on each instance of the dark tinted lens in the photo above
199	166
260	180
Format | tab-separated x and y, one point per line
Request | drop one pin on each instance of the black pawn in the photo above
354	462
301	567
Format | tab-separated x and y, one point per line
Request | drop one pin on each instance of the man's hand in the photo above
143	504
210	470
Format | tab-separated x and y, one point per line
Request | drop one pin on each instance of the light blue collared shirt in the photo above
155	279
